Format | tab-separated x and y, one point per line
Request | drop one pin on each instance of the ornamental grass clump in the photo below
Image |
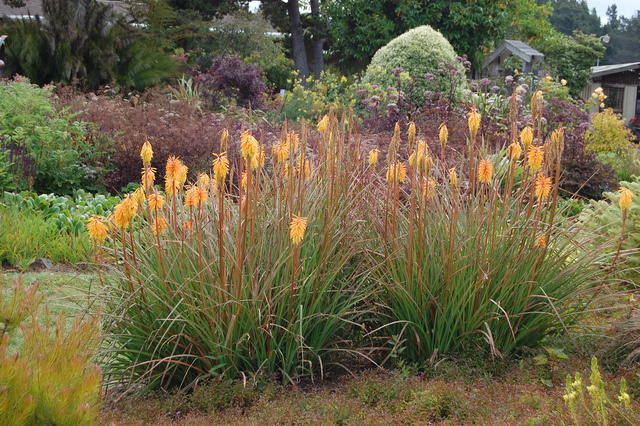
228	277
488	263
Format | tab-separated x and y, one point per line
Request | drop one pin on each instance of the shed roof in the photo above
517	48
613	69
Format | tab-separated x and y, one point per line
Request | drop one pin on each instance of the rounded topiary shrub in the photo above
419	52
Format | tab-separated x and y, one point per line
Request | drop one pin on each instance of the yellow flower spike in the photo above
293	139
97	229
296	229
204	180
286	170
396	133
146	154
412	134
526	137
139	196
148	177
429	188
536	101
485	171
258	159
224	140
543	187
220	169
514	151
474	122
155	202
396	172
535	155
626	197
444	135
373	159
131	206
307	169
322	125
248	146
243	181
182	176
541	241
412	159
453	178
159	226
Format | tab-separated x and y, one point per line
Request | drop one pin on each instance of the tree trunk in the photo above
318	57
297	37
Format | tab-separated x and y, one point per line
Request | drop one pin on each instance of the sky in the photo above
626	8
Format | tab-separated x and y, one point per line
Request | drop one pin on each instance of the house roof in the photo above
613	69
517	48
34	7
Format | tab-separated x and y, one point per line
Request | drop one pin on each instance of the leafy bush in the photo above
317	97
174	128
230	77
605	218
48	150
419	51
52	379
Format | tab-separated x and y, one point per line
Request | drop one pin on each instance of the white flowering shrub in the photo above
419	52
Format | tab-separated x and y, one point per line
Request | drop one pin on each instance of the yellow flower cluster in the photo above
296	229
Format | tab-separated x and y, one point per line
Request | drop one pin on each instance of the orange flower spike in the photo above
429	188
159	226
155	202
146	154
131	206
541	241
296	229
201	194
535	157
190	199
543	187
220	169
97	229
485	171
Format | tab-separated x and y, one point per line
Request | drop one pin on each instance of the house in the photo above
621	85
508	50
34	8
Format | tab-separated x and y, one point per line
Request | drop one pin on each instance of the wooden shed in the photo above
621	84
493	64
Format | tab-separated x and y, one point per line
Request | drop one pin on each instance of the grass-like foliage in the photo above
223	280
51	380
494	264
268	267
